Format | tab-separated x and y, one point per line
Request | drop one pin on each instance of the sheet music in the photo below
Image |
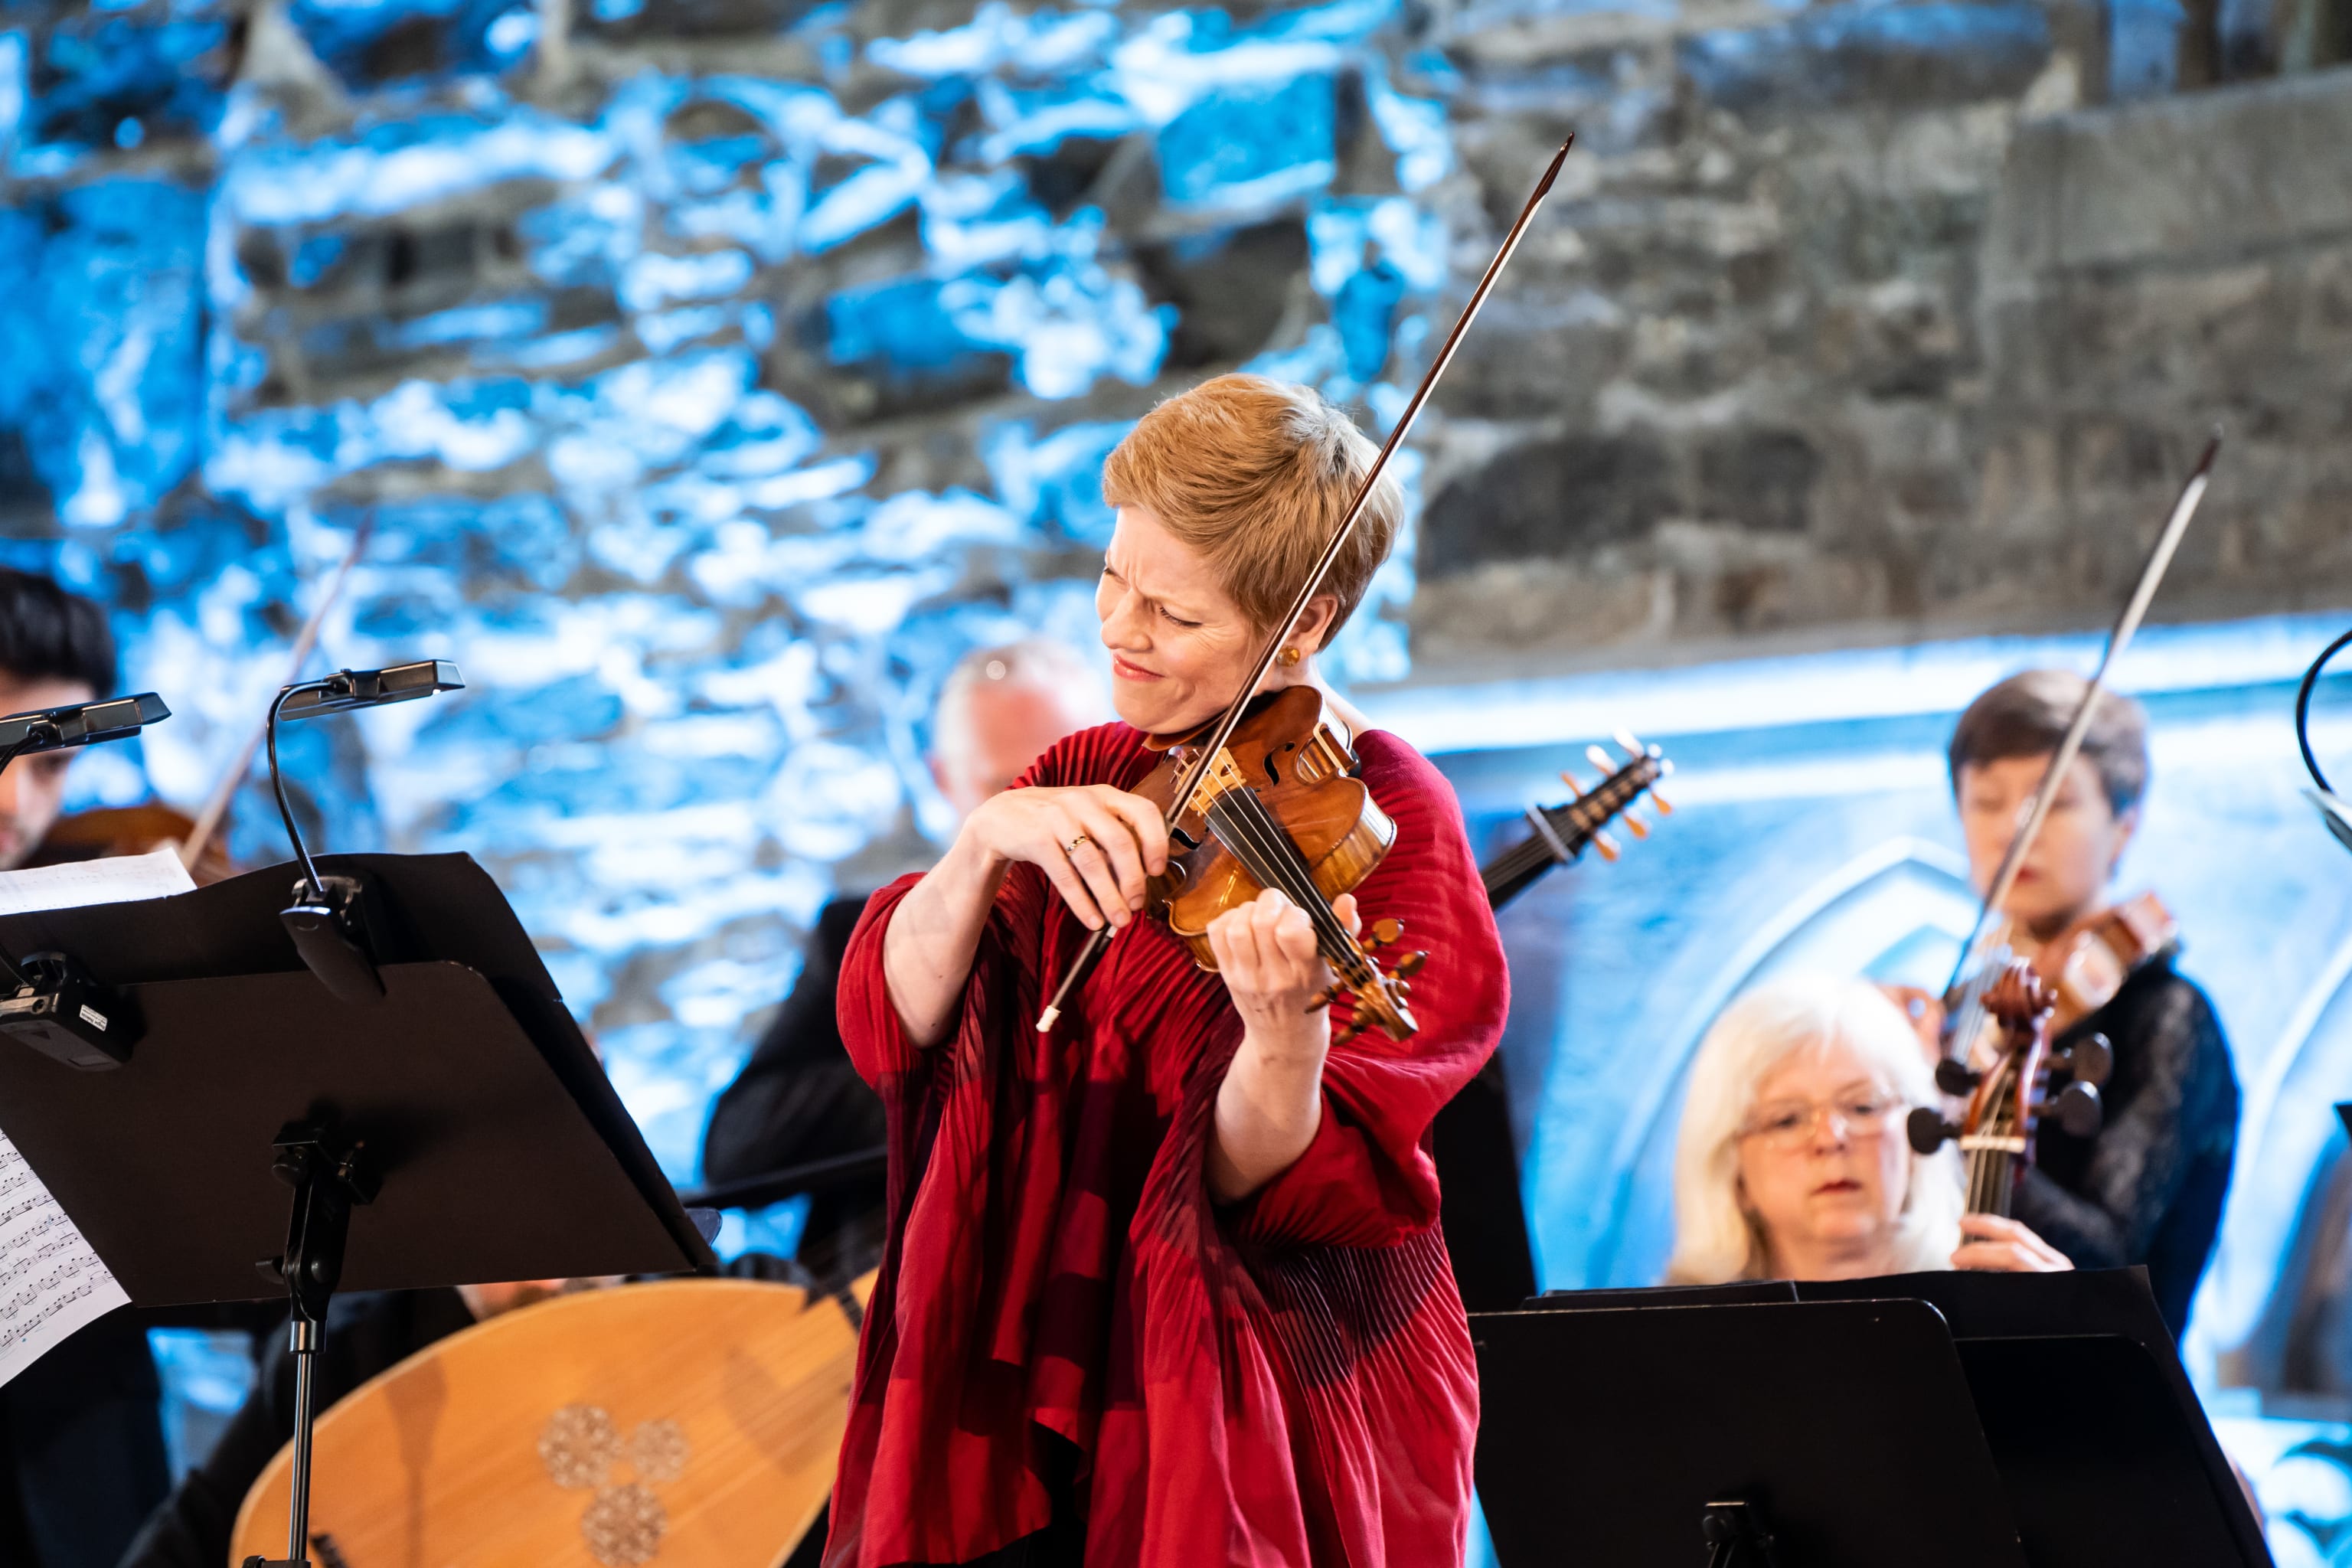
117	879
52	1280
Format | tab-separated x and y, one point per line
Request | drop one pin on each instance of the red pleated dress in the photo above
1281	1382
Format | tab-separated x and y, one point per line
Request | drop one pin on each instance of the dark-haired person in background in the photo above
81	1444
2148	1188
55	650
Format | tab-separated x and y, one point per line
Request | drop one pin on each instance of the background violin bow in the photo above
1965	1020
1563	832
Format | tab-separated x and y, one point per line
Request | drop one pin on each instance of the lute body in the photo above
685	1422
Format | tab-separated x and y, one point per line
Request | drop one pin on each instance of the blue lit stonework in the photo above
714	373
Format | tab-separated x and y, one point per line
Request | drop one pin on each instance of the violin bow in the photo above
208	820
1188	783
2159	559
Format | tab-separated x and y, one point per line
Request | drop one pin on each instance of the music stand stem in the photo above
328	1177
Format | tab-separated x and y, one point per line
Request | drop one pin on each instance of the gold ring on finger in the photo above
1071	848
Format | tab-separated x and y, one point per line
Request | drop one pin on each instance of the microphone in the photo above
57	1007
333	920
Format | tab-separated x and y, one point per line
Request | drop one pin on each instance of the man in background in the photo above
798	1100
82	1441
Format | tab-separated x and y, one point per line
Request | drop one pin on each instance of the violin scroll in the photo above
2006	1098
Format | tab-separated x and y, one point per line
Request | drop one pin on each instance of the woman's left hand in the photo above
1271	1102
1266	952
2000	1246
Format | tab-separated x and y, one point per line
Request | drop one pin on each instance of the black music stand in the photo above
1843	1431
1927	1420
454	1129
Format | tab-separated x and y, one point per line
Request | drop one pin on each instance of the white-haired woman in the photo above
1792	1162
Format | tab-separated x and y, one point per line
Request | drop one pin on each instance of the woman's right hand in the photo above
1094	844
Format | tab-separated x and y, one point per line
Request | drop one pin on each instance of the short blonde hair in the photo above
1715	1239
1255	475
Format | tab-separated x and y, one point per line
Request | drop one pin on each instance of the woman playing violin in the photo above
2148	1188
1164	1284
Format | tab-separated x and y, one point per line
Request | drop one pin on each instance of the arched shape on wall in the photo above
1895	906
2289	1141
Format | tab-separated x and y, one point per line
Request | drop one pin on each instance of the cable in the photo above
2303	709
277	782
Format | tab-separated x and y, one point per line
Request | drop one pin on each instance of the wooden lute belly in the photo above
685	1423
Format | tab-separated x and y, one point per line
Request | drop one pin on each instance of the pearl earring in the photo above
1288	657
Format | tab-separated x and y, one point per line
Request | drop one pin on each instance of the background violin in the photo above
2008	1098
107	831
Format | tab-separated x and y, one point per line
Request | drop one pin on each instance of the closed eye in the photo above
1176	620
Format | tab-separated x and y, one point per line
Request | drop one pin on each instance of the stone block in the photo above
2201	174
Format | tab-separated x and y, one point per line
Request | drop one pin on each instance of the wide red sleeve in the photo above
1365	1179
870	1028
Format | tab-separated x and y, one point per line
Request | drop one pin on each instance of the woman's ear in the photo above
1315	625
2125	826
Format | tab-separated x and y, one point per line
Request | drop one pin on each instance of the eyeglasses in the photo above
1789	1124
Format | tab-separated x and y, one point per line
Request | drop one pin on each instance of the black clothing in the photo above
82	1445
1479	1205
366	1334
799	1100
2148	1187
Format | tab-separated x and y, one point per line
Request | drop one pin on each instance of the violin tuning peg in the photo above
1410	964
1600	759
1660	803
2080	1111
2091	1060
1348	1032
1637	828
1628	744
1383	931
1955	1078
1927	1130
1324	998
1569	780
1606	846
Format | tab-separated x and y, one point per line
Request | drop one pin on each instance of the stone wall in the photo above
711	374
1853	328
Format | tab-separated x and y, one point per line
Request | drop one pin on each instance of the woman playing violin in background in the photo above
1164	1284
2148	1188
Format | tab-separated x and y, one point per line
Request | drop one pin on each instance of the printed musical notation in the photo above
51	1279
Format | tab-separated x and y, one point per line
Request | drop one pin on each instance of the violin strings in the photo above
1256	836
1281	859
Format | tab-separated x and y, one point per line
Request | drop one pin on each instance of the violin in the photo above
105	832
2009	1096
1267	797
2088	962
1280	807
2084	967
